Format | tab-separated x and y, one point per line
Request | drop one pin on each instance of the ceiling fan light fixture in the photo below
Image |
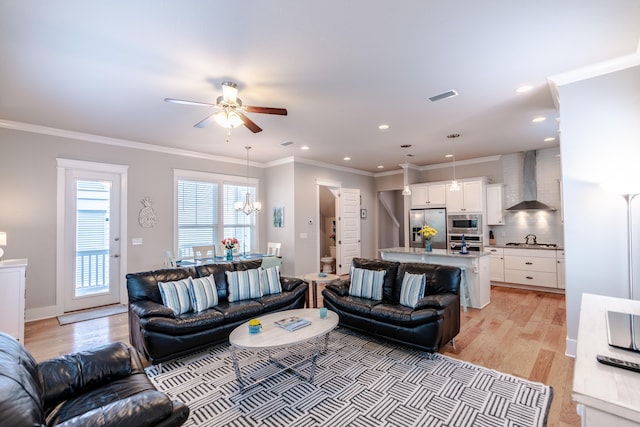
229	92
227	119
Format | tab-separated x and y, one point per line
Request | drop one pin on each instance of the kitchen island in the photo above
476	265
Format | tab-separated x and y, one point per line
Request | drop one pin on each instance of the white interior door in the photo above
92	239
348	247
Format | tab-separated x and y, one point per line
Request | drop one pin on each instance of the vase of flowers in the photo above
229	243
427	234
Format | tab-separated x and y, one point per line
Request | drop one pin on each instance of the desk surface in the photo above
606	388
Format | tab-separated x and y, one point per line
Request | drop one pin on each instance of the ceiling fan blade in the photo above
249	123
266	110
184	102
202	123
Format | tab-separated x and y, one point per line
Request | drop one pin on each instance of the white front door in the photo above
348	246
91	252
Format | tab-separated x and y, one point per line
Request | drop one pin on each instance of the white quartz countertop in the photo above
435	252
538	247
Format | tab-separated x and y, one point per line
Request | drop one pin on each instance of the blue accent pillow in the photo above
412	289
175	295
244	284
270	280
367	283
203	293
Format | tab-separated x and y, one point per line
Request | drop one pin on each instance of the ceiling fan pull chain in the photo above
228	134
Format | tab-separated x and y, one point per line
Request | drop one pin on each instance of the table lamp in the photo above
3	242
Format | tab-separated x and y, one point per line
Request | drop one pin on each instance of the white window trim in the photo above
179	174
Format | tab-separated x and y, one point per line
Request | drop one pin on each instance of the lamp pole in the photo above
629	199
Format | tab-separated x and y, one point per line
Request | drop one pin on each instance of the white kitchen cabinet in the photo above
534	267
12	296
470	198
560	268
495	204
496	264
428	196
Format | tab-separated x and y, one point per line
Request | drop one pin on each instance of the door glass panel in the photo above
92	237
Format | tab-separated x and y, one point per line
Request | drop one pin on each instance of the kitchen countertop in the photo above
526	247
435	252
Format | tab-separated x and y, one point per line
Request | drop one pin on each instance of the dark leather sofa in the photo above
160	335
106	386
434	321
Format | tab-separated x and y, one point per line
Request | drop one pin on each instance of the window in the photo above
205	212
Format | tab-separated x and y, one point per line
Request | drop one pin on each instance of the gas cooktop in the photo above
533	245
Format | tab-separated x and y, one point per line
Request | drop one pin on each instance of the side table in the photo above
313	279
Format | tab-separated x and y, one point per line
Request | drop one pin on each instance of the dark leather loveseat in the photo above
434	321
106	386
160	335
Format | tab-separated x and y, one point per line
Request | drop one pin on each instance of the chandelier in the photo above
246	206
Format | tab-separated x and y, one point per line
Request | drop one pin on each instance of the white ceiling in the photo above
341	68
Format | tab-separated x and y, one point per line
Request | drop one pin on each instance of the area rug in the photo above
94	313
360	381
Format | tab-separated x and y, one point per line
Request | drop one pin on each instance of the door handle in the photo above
116	255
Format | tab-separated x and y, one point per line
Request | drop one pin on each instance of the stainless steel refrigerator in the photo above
436	218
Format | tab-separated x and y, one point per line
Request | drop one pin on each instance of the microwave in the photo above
464	224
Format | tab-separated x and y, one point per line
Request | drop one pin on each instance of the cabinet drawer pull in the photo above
529	263
529	277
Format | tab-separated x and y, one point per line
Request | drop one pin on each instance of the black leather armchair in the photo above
434	321
106	386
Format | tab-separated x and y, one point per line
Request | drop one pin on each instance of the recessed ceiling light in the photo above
347	158
523	89
304	147
383	127
549	139
380	167
539	119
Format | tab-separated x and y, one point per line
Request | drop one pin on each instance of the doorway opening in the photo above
391	219
328	230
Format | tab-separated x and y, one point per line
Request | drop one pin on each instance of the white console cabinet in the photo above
12	296
606	395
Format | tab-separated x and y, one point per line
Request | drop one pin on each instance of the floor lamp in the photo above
629	198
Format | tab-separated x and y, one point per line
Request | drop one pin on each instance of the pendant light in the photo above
454	186
246	206
406	190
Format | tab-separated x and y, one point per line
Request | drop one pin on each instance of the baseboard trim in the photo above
40	313
572	347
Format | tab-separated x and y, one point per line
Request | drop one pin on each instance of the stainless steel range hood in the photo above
529	187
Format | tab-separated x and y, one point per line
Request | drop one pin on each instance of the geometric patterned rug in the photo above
359	381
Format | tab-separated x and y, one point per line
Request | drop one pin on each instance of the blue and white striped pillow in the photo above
270	280
366	283
175	295
203	293
244	284
412	289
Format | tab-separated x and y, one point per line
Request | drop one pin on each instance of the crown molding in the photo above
87	137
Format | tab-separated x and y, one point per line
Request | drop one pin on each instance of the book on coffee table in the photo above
292	323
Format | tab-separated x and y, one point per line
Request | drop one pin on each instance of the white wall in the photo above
279	189
600	141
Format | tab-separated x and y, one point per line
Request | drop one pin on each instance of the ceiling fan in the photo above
230	111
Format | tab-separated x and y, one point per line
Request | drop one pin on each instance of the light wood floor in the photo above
520	333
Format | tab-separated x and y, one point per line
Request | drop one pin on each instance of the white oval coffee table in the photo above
274	337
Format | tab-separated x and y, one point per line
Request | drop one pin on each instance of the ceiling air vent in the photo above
284	144
444	95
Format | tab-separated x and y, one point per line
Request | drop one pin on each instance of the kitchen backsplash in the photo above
546	225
